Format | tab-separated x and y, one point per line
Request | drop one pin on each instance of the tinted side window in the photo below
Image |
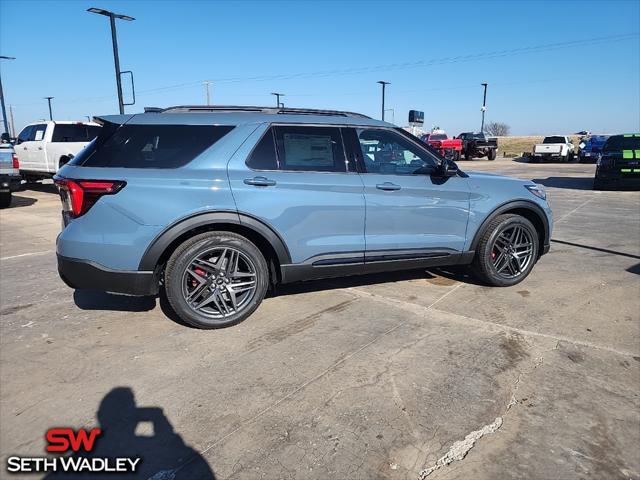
69	132
37	132
263	156
311	149
149	146
388	152
24	135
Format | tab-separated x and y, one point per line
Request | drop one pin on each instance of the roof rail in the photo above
243	108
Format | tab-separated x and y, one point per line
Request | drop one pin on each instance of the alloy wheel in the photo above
219	282
512	251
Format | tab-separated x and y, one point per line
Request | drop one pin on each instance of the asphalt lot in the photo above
360	378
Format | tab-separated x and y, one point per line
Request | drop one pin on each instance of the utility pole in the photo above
484	105
48	99
4	109
114	40
206	89
278	95
384	84
13	123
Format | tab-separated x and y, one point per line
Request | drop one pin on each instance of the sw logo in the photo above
79	442
65	439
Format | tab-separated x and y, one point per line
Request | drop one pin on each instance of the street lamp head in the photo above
382	82
107	13
3	57
484	84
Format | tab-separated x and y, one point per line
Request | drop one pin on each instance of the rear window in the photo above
70	132
149	146
619	143
554	140
438	136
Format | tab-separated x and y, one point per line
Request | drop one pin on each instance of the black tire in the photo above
456	156
467	155
183	257
5	199
491	154
483	266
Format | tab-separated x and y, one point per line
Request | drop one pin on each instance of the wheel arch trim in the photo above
514	205
158	246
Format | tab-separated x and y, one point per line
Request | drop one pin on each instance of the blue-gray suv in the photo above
214	205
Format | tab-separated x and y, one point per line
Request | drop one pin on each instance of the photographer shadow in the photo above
144	432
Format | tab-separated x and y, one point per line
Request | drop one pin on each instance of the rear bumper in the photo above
9	183
87	275
615	178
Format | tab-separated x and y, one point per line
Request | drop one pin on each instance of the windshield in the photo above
479	136
554	140
619	143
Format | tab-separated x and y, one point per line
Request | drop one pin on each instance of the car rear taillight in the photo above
16	163
78	196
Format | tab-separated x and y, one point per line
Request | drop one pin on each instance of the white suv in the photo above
42	148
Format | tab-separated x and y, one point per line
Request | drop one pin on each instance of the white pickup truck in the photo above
42	148
555	147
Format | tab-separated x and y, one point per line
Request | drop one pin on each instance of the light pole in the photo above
484	105
48	99
4	109
112	20
278	95
384	84
206	89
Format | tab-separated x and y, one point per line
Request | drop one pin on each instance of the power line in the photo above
388	67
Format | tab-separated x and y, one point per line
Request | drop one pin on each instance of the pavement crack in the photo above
538	362
459	449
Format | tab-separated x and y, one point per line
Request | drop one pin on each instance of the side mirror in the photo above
447	169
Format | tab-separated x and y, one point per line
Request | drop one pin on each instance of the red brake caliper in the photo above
199	272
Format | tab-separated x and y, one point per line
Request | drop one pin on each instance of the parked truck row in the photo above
467	145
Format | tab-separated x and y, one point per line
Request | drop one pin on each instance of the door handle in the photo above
388	186
24	148
39	148
260	182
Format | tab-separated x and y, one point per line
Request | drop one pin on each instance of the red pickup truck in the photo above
447	147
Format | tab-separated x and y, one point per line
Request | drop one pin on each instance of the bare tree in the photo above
498	129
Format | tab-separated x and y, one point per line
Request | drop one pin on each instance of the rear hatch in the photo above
623	153
127	154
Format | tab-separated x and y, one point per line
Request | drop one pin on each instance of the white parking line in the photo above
27	254
567	215
419	309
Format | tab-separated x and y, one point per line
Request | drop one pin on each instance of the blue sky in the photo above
65	52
